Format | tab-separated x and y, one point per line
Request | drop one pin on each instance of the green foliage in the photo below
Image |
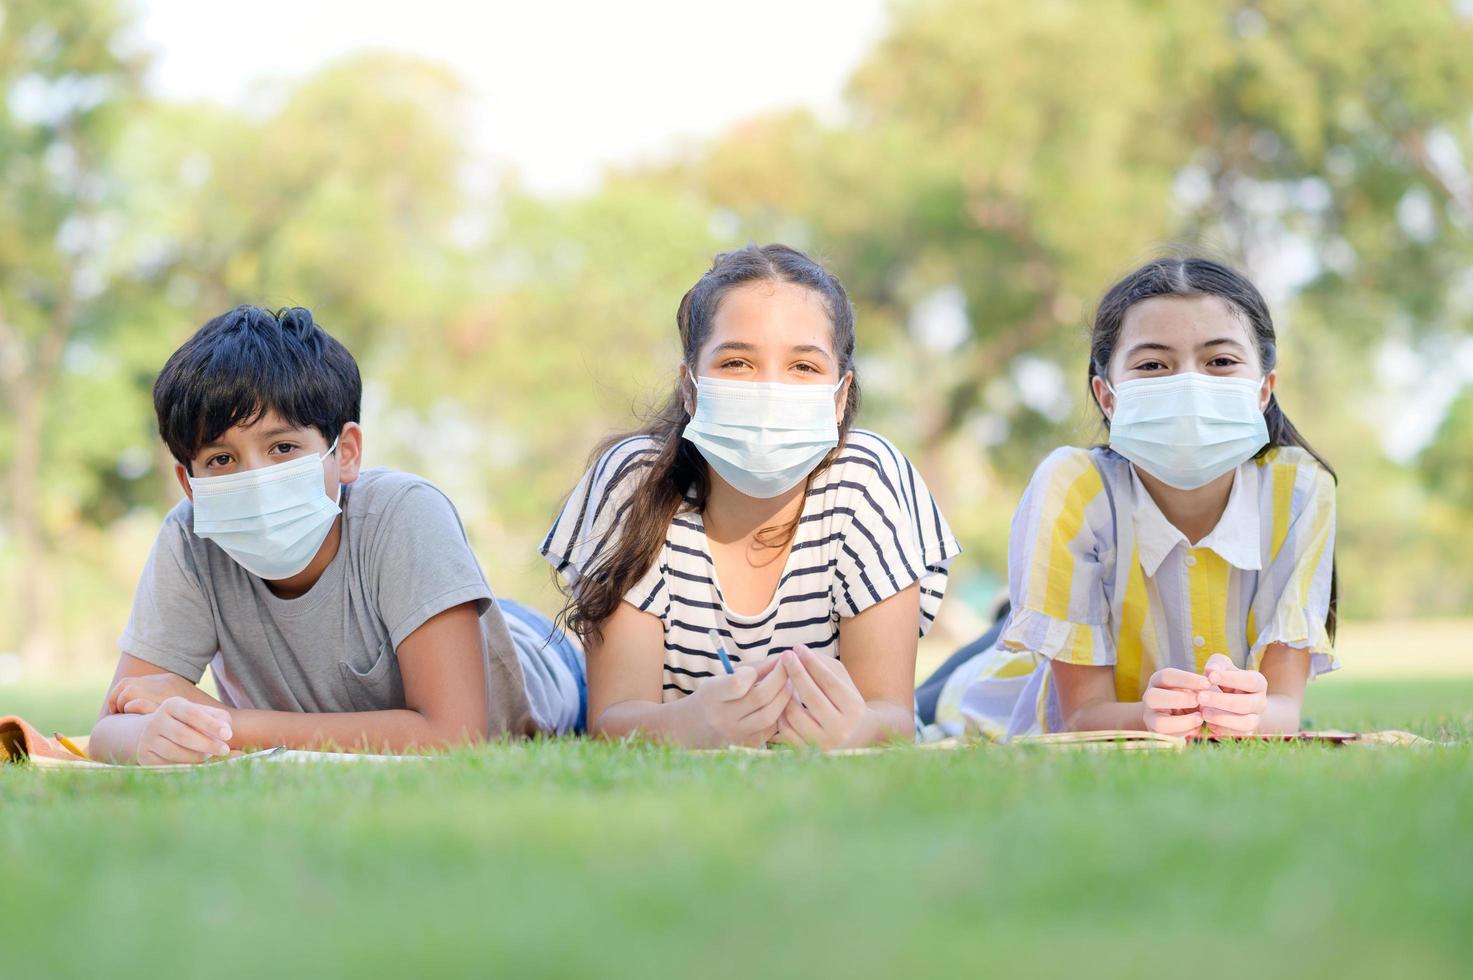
1000	161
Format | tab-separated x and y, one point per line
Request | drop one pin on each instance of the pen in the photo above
720	651
69	745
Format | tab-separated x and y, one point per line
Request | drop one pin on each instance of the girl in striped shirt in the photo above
1184	576
751	516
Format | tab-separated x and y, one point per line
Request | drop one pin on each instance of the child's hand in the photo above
827	708
181	731
743	708
142	694
1171	702
1235	703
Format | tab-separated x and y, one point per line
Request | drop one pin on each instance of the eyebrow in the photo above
280	430
1218	342
746	348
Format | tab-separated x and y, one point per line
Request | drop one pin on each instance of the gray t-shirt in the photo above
402	559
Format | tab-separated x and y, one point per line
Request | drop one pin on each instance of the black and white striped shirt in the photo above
869	529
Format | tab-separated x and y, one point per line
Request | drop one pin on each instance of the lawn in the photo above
578	859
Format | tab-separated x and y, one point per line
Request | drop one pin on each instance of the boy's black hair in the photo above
246	363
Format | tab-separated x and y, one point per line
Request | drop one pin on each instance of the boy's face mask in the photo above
763	437
270	520
1188	429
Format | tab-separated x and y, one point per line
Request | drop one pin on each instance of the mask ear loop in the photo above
695	388
338	500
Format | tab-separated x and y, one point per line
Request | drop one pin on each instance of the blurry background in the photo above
498	207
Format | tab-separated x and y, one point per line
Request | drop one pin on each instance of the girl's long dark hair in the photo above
678	477
1204	277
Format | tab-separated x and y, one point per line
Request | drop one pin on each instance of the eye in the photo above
1224	361
806	368
218	460
732	363
1150	366
282	448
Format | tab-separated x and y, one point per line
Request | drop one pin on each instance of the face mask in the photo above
1188	429
270	520
762	437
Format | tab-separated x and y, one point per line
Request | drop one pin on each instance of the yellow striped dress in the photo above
1097	575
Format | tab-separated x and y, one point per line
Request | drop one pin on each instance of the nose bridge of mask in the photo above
769	405
1183	394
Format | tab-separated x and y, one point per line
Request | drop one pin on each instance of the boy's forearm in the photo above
398	730
115	738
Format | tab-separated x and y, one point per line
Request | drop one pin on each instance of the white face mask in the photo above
763	438
1188	429
271	520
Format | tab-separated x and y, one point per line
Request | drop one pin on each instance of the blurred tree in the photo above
1002	163
67	83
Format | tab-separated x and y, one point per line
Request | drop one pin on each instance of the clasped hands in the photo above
1228	700
797	697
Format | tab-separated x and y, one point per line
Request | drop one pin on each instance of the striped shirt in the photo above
869	528
1098	575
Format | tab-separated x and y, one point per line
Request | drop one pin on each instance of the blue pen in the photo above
720	651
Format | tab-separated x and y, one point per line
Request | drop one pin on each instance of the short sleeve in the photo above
1293	597
594	513
421	562
172	623
896	535
1062	529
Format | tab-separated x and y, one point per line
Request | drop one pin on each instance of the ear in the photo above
350	452
1270	382
182	475
842	395
1103	397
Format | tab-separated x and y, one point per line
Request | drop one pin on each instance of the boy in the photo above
334	605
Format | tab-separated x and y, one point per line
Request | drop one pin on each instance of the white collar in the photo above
1236	538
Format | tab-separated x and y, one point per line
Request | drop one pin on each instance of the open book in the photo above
21	742
1133	740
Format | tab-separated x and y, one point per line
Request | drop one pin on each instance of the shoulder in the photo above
1291	475
176	534
601	497
381	493
624	457
868	460
1076	488
179	520
1079	474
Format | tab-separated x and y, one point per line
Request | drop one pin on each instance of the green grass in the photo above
576	859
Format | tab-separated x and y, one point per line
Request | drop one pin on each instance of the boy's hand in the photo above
743	708
1171	705
142	694
1235	703
180	731
827	708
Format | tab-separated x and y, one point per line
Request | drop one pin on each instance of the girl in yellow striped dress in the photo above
1182	576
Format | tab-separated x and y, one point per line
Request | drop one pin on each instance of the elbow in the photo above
451	733
600	727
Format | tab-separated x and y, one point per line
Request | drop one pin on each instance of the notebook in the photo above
22	742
